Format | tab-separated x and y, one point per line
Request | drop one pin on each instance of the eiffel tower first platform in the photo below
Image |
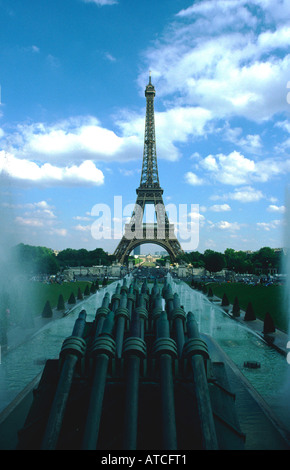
149	192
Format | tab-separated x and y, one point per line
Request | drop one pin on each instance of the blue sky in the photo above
72	113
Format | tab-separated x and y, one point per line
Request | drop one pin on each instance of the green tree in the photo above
230	257
214	261
238	261
195	258
266	258
83	257
160	262
36	259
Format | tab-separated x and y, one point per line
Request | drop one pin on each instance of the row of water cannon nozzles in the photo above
127	301
139	311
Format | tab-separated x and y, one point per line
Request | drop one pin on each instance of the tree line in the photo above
238	261
35	260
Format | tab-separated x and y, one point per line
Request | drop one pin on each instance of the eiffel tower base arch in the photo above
126	246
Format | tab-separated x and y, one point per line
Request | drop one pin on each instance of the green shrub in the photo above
72	299
47	311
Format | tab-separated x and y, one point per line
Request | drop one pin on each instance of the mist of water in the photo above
16	291
281	403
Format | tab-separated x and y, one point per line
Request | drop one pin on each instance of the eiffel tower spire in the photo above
149	192
149	175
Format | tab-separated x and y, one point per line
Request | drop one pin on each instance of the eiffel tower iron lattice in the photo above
149	192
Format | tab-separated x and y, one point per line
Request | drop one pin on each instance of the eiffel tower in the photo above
149	192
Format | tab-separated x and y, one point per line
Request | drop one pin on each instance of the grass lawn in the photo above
51	292
264	299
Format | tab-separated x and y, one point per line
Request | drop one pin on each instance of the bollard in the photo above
195	352
72	350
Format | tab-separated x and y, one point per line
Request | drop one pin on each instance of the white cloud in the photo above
195	216
24	170
29	222
230	169
274	208
210	163
193	179
175	125
83	228
285	125
225	225
74	140
36	214
83	218
35	206
251	143
52	61
221	56
62	232
246	194
101	3
220	208
236	169
269	225
270	40
110	57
